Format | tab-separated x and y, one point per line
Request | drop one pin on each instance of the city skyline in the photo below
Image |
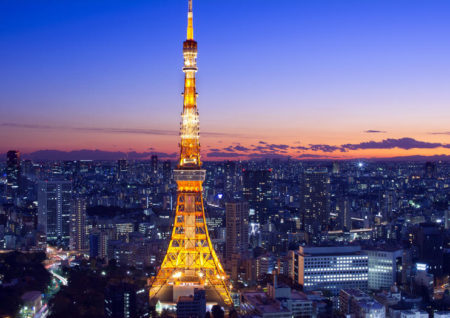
108	210
287	78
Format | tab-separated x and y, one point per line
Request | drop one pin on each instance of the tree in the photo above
82	297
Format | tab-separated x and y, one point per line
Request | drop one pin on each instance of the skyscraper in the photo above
190	261
236	227
122	169
257	190
315	201
154	164
167	171
98	243
229	178
12	174
54	209
430	170
428	243
78	225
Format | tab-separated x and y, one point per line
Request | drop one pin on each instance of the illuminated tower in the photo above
190	261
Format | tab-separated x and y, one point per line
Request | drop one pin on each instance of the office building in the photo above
55	209
98	242
385	267
122	169
331	268
257	191
167	171
78	225
154	164
315	201
428	242
430	170
230	178
13	175
236	228
447	219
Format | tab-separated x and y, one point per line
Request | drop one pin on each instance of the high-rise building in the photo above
331	268
154	164
98	243
336	168
167	171
257	191
428	240
54	209
343	210
315	201
430	170
447	219
120	301
342	206
229	178
385	267
236	227
78	224
191	261
13	174
122	169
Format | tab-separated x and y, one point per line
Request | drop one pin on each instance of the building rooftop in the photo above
355	293
329	250
262	303
31	296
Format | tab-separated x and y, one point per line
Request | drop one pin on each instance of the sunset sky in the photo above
299	78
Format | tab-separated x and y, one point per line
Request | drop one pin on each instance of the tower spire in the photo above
190	26
191	261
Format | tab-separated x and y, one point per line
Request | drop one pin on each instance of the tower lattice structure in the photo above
190	261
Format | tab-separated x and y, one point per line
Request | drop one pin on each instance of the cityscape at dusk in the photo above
309	178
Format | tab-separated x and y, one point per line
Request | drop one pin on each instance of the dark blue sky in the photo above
317	71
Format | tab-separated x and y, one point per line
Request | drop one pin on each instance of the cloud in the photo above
313	156
325	148
112	130
266	150
402	143
440	133
268	156
241	148
221	154
299	148
275	147
372	131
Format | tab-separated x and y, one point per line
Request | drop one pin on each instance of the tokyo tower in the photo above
190	261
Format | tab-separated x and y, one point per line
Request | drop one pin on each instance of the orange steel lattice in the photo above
190	260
